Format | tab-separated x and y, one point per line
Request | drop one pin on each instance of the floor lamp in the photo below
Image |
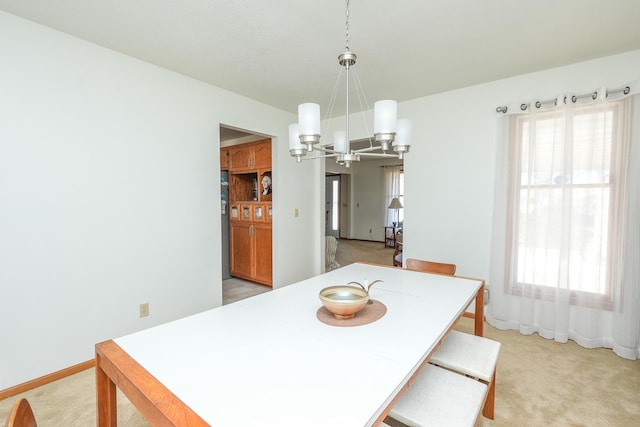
395	204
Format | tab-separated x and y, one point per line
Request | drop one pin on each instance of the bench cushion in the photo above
468	354
439	397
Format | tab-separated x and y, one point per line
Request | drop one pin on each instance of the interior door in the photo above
332	206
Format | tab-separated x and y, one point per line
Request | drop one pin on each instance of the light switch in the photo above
295	213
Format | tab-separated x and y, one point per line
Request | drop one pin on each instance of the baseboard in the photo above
361	240
46	379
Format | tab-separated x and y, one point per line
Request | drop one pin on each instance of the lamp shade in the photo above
340	141
403	133
294	137
395	204
309	118
384	116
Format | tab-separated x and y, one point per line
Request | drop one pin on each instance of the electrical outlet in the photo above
144	309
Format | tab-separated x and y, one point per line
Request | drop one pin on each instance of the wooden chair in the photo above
21	415
431	267
397	251
466	354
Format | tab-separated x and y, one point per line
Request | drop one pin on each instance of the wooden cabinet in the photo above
254	155
251	216
251	242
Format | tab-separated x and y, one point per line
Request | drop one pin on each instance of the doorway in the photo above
246	212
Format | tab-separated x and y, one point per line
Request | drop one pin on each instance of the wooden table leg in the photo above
106	408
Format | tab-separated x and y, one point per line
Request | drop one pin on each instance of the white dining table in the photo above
269	361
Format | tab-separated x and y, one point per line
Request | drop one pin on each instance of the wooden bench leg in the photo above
489	404
479	312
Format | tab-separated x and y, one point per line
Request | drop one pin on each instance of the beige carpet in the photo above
539	382
350	251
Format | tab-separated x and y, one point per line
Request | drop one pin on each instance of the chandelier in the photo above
391	135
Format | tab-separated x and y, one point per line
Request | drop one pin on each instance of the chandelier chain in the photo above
346	28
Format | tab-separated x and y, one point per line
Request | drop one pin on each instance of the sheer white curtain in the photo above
566	237
392	188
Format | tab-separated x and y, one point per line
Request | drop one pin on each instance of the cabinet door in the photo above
241	258
245	213
224	158
263	253
262	155
259	213
240	158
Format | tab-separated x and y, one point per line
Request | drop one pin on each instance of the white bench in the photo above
439	397
472	356
455	387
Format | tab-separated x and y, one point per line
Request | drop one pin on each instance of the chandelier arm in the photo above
365	154
326	156
366	149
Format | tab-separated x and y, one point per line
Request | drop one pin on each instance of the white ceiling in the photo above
284	52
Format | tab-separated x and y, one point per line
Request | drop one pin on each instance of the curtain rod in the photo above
391	166
593	95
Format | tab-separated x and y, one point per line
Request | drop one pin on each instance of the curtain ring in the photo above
538	104
574	99
594	95
626	90
501	109
523	107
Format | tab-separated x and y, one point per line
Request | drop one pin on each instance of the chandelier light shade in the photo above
309	123
340	140
392	136
401	143
385	116
295	146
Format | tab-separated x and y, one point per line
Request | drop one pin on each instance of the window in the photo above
565	246
564	177
394	187
335	204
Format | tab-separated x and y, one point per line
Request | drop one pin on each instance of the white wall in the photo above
449	173
109	197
